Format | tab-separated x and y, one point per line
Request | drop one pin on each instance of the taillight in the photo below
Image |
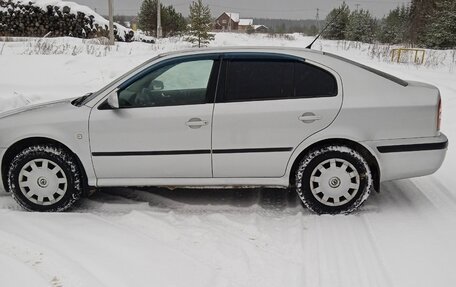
439	117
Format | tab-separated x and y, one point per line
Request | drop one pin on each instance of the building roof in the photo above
233	16
259	26
245	22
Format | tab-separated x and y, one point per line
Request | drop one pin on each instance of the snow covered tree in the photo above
420	10
250	29
440	32
200	24
336	31
172	22
361	26
395	27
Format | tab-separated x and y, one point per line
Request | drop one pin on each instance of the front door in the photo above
163	126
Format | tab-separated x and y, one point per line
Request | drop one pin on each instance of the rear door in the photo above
266	105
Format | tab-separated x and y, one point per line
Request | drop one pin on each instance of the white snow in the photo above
245	22
404	236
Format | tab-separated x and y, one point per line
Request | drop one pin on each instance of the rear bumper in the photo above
406	158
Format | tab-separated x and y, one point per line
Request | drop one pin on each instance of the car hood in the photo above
34	107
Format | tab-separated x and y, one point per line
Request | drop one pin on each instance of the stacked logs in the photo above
18	19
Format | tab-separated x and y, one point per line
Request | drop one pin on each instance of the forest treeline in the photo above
422	23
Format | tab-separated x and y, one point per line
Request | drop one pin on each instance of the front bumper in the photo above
412	157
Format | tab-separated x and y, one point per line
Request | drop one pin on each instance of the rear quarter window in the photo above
274	79
312	82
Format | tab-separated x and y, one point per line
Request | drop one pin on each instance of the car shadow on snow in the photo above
258	200
401	195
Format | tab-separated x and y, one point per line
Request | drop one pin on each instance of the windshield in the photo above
132	71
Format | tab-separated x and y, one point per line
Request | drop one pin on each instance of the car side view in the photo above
330	128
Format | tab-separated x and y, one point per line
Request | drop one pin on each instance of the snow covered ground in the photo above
404	236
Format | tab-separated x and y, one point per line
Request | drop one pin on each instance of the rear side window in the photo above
256	80
313	82
248	80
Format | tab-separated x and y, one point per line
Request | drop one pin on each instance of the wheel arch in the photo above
364	151
27	142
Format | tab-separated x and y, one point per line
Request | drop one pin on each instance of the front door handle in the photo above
196	123
308	118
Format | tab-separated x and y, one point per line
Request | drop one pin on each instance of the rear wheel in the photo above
45	178
333	180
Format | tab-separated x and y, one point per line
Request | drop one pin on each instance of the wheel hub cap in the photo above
334	182
43	181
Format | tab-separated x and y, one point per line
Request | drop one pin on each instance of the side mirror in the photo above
157	85
113	100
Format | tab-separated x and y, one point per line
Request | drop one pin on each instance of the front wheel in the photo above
45	178
333	180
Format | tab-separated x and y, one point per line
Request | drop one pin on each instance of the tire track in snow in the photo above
239	258
347	256
52	267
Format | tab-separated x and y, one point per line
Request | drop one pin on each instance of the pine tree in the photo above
200	24
361	26
172	22
336	31
420	10
441	29
395	27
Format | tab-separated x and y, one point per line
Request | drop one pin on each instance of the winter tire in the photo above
333	180
45	178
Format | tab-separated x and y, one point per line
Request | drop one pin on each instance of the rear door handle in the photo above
309	118
196	123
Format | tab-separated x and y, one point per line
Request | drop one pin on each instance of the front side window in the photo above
183	83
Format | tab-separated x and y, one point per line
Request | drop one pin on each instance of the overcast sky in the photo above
285	9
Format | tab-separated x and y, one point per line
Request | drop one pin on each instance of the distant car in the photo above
329	128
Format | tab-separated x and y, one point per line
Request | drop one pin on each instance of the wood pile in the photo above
18	19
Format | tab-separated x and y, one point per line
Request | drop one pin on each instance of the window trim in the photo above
211	86
221	91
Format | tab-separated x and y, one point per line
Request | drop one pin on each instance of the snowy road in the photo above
404	236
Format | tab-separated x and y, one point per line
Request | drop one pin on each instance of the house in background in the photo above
228	21
244	24
260	29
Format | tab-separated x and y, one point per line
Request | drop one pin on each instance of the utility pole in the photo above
111	22
159	25
357	6
317	19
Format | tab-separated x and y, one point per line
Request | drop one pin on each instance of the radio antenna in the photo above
324	29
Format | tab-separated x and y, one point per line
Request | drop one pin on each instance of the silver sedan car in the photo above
329	128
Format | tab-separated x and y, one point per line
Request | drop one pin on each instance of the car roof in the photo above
253	49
